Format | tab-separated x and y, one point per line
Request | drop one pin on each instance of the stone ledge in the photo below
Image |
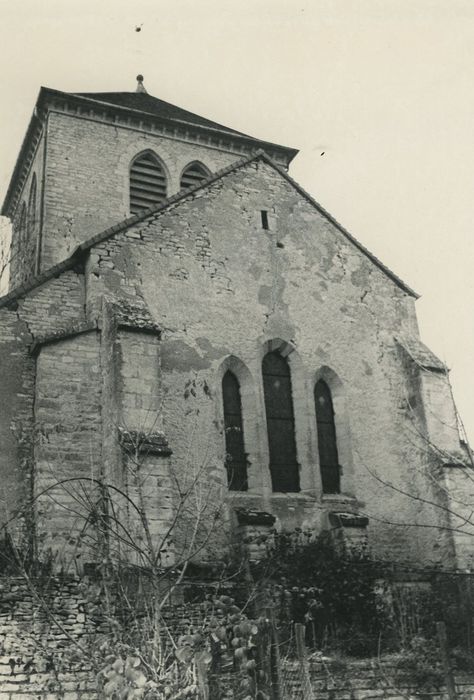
246	516
348	520
293	495
135	318
144	443
420	354
63	334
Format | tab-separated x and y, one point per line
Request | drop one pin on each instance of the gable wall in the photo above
219	285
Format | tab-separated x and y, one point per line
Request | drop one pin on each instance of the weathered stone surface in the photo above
133	334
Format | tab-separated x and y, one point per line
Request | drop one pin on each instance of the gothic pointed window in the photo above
193	175
147	183
280	423
236	459
327	445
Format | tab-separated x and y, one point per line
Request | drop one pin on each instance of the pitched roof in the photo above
143	102
73	259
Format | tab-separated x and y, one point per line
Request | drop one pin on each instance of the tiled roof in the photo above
142	102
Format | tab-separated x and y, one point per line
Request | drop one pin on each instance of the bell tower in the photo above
90	160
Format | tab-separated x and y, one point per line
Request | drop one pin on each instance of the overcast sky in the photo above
383	87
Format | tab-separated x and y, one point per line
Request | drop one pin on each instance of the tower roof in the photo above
147	104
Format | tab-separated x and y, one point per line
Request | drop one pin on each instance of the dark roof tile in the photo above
142	102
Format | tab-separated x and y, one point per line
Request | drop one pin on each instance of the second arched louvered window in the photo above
193	175
327	445
280	423
236	459
147	183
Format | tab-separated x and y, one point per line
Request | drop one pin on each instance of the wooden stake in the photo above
275	658
302	658
201	672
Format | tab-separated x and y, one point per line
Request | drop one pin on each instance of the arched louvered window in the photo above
327	445
32	208
280	423
236	460
193	175
147	183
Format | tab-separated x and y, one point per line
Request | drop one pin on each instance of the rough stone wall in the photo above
35	653
444	462
39	660
454	465
24	323
17	374
224	291
54	306
68	448
139	383
87	176
146	477
359	680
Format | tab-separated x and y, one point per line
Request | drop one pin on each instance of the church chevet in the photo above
182	316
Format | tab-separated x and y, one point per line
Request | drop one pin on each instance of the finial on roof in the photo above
140	86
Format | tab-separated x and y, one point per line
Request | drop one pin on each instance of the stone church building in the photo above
183	316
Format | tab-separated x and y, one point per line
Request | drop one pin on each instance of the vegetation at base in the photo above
350	604
338	597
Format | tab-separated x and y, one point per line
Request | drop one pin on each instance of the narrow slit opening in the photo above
264	215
